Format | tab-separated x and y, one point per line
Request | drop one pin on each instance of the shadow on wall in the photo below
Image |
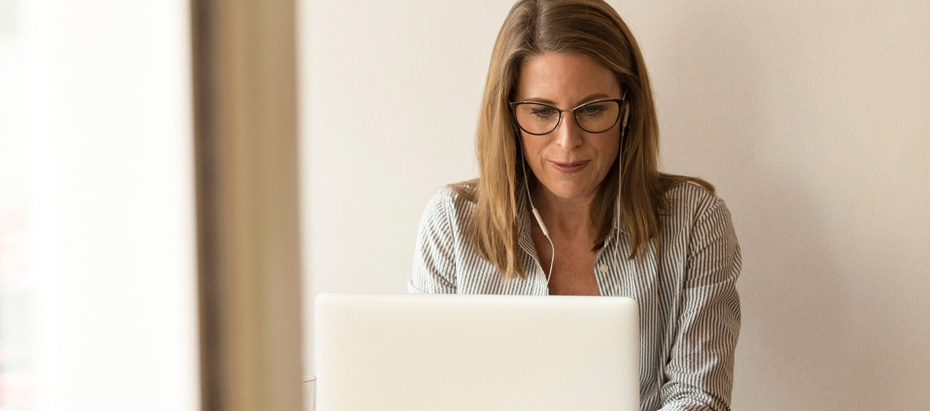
809	339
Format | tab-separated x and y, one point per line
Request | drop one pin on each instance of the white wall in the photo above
810	117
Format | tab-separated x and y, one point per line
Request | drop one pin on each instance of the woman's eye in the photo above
542	111
592	110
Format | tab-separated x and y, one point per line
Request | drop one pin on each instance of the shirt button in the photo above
603	268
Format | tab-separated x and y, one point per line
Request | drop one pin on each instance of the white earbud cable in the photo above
542	226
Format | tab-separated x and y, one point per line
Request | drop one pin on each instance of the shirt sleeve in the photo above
434	264
699	372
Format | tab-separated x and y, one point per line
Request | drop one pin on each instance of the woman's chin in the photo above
572	192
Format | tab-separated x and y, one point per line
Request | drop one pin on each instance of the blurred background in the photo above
98	309
809	117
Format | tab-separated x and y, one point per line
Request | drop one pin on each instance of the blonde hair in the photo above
594	29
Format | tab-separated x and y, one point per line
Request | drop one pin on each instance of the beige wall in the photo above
810	117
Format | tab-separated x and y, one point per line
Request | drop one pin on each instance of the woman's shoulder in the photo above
452	202
691	200
465	190
456	194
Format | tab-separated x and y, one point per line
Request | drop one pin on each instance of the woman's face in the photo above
569	162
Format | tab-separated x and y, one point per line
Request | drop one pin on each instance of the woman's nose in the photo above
568	134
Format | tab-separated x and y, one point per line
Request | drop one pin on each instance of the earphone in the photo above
626	116
542	226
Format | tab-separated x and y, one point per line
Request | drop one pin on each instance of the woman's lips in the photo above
569	167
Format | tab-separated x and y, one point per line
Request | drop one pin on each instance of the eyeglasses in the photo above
540	118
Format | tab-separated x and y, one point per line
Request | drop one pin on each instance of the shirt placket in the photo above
604	273
535	274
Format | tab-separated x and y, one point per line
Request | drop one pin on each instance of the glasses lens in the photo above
536	118
598	116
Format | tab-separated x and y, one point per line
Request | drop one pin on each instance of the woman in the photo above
570	201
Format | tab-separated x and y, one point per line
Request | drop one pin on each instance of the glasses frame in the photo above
513	114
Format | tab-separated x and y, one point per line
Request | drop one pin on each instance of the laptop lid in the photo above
476	352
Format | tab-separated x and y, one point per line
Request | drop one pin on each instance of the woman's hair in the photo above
591	28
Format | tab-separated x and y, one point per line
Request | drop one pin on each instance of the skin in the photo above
564	193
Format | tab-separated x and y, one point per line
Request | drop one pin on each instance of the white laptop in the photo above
480	352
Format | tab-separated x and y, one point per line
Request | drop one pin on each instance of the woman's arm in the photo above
699	372
434	258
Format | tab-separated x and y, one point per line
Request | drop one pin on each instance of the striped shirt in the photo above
686	291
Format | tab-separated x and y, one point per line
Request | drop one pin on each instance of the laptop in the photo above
476	352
